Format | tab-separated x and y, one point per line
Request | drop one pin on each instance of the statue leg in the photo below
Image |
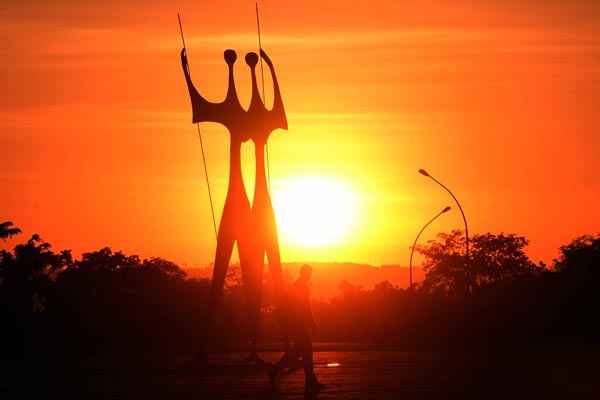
225	242
252	275
274	260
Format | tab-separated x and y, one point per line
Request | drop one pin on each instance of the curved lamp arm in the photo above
468	259
412	249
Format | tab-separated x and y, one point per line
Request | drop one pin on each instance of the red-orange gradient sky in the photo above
498	99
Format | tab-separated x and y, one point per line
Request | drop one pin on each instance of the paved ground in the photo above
358	374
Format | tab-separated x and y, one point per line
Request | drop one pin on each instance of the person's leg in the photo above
287	360
307	355
311	382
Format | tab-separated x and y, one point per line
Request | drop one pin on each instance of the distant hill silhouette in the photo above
328	276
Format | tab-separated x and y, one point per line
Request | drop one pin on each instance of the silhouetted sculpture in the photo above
254	228
235	220
265	240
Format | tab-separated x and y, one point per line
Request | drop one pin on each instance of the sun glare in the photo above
314	211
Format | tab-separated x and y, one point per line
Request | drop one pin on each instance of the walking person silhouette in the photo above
300	324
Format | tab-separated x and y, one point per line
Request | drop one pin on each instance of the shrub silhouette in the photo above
108	302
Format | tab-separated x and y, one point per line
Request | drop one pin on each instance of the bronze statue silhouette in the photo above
265	241
253	228
235	220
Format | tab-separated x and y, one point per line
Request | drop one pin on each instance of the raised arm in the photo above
186	72
202	109
278	111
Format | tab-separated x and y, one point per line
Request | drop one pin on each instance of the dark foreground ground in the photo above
362	373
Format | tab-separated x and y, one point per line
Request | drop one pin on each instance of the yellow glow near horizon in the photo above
314	211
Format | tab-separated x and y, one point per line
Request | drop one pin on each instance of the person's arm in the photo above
315	324
309	312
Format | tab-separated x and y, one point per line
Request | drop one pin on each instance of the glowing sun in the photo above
314	211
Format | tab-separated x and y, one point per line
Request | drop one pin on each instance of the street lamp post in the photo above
468	261
412	249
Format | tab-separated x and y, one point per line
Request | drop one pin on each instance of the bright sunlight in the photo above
314	211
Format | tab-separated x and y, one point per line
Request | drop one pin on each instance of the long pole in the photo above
262	71
212	208
412	249
262	78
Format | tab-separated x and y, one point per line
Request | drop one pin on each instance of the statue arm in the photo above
188	79
278	110
202	109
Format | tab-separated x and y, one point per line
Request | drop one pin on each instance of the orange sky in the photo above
497	99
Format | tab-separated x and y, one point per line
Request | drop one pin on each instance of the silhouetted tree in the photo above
501	257
104	260
8	230
581	256
444	263
494	258
576	287
162	268
28	274
33	262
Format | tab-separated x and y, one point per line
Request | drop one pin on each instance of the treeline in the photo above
52	304
500	298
